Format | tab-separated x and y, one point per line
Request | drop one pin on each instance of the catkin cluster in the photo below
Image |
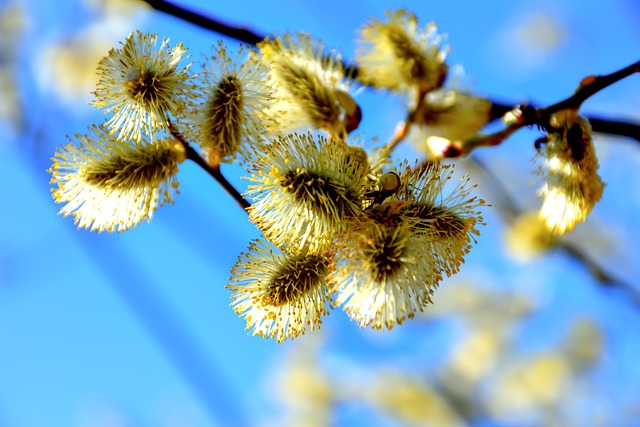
342	224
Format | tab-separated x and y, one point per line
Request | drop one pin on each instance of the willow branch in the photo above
218	26
598	124
214	170
613	127
207	22
589	86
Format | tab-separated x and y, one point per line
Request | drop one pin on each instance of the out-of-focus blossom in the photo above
399	55
412	402
527	238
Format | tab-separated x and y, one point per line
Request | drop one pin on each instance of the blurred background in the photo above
135	329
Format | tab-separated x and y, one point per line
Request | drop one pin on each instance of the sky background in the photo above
135	329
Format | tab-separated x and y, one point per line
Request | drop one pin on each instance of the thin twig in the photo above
488	140
207	22
590	86
214	171
528	115
598	124
399	133
613	127
233	31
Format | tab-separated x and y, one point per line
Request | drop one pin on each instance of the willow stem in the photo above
213	170
589	86
218	26
207	22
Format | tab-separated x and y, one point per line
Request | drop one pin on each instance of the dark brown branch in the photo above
590	86
499	109
241	34
613	127
598	124
214	171
207	22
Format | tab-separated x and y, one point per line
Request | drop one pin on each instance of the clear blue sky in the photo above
91	324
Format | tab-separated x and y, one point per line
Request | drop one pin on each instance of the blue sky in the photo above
137	326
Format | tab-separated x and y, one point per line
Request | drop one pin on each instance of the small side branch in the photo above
613	127
598	124
589	86
218	26
214	170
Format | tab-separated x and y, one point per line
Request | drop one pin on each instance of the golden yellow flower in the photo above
142	85
572	185
311	89
108	184
280	294
398	55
